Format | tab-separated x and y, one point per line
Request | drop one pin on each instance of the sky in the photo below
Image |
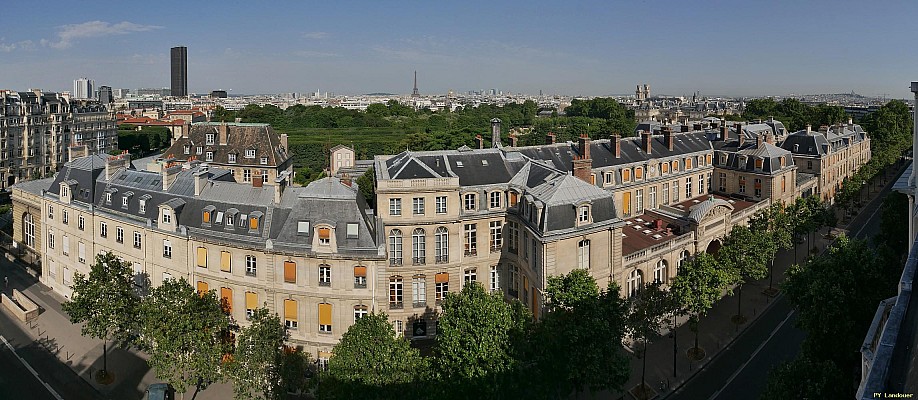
591	48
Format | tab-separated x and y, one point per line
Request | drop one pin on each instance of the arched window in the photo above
395	247
418	246
635	280
683	257
28	230
659	272
441	244
583	254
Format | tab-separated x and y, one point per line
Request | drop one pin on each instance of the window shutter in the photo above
226	295
202	257
290	310
253	223
202	287
360	271
289	272
626	203
441	277
325	314
251	300
324	233
206	217
225	261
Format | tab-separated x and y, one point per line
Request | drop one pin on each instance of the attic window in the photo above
219	219
187	149
264	161
459	164
209	138
484	162
231	158
137	179
352	230
302	227
249	153
121	178
324	236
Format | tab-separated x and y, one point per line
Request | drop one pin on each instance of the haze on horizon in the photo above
738	48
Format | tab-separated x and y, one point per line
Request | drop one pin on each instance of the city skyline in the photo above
589	49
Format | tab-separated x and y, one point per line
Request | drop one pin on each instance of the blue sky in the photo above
577	48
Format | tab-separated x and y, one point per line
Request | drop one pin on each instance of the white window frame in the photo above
441	204
583	254
251	265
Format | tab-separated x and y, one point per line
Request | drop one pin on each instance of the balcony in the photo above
395	262
495	249
442	259
396	305
471	252
419	304
418	261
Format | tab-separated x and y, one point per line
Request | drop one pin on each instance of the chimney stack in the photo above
739	134
581	168
256	182
770	138
809	128
585	146
550	138
646	142
760	141
170	172
200	180
512	140
479	141
617	145
223	131
115	163
668	137
279	185
495	132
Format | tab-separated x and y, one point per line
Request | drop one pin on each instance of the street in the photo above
16	382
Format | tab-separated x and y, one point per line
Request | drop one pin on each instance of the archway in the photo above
713	247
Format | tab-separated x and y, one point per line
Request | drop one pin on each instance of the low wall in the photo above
20	305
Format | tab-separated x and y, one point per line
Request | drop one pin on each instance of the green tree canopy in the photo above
806	378
698	284
567	291
256	365
648	312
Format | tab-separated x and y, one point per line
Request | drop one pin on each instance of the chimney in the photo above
668	137
512	140
115	163
685	128
223	131
658	224
170	172
283	141
617	145
584	144
724	132
479	141
581	168
809	128
256	182
760	141
769	138
279	185
550	138
200	180
739	134
646	142
495	132
346	179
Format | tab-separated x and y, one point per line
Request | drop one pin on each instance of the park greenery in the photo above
148	140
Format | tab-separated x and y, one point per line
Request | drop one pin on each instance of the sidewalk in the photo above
53	331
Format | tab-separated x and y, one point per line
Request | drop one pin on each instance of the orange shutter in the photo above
708	159
360	271
441	277
253	223
289	272
206	217
202	287
688	163
664	167
758	184
225	261
251	300
626	203
324	233
202	257
290	310
675	165
626	175
325	314
513	199
226	297
639	173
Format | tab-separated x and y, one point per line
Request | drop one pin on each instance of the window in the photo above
495	278
664	167
103	229
441	285
638	173
289	272
470	202
251	303
65	217
119	234
81	252
206	216
688	163
246	175
757	187
607	179
108	198
626	203
494	198
497	240
324	275
302	227
759	163
50	238
251	265
784	184
419	291
324	236
199	150
674	165
584	214
809	164
226	261
81	222
583	254
359	312
701	186
187	149
209	156
419	247
360	277
124	201
514	237
469	276
226	299
352	230
136	240
675	191
231	158
395	292
167	248
742	184
652	197
264	176
290	311
417	205
202	287
209	138
666	193
722	182
471	239
249	153
66	249
514	280
626	175
263	161
395	247
202	257
395	206
441	204
167	216
143	206
688	187
683	257
659	272
635	281
639	201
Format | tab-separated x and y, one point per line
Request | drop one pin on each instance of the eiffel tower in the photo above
414	93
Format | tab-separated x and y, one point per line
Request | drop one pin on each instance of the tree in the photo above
104	302
371	362
367	185
773	225
256	364
805	378
698	284
184	333
577	344
295	364
744	257
475	341
646	316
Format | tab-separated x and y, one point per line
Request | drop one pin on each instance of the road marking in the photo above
29	367
761	346
865	225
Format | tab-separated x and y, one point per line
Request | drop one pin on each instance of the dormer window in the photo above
264	161
199	150
108	197
231	158
209	156
759	163
607	178
209	138
626	175
124	201
167	216
254	220
187	149
324	236
638	173
249	153
583	214
230	220
207	214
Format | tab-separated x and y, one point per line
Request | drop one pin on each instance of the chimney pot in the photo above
585	146
617	145
256	182
646	142
479	141
668	138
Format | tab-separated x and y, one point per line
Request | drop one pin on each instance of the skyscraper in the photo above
180	71
83	88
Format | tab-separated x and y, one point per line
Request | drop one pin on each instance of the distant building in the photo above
179	71
83	88
341	157
105	95
218	94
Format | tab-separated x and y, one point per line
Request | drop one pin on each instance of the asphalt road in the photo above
741	372
16	382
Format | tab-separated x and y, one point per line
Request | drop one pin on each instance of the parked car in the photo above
159	391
